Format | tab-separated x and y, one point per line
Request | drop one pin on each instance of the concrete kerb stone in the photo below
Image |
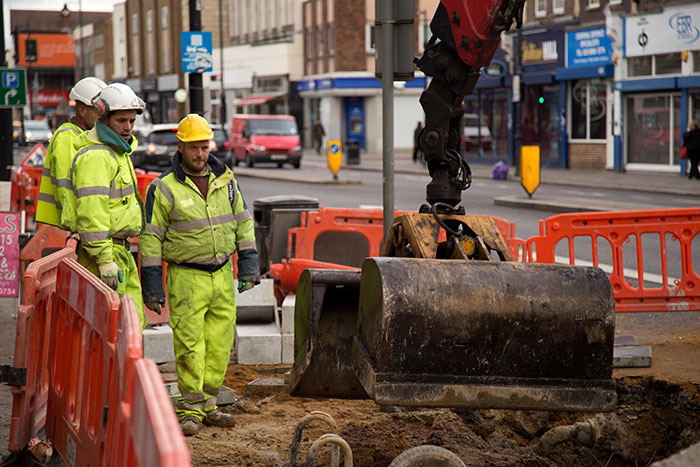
158	343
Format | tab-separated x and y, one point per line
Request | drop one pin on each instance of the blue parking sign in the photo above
196	50
10	79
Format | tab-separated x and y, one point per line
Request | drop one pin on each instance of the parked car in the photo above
37	131
143	126
470	133
155	152
265	138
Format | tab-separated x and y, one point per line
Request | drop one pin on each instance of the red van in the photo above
265	138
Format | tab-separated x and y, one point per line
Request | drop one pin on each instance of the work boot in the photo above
190	425
218	418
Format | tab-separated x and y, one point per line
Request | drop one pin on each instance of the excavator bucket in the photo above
325	320
482	334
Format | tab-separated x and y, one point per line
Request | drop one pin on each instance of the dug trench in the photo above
657	415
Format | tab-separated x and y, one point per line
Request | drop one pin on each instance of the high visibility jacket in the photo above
184	228
107	200
55	180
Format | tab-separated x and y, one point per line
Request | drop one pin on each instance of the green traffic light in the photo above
541	100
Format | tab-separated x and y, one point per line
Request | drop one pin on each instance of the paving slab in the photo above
632	356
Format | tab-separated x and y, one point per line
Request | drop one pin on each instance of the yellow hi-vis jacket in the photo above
184	228
55	179
107	200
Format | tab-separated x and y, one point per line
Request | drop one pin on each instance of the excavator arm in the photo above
465	37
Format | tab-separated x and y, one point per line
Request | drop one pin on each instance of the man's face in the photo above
89	115
195	155
122	122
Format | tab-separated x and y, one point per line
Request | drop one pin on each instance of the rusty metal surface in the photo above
417	235
440	332
325	321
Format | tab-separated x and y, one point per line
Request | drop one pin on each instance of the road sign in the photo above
530	168
13	92
195	47
335	156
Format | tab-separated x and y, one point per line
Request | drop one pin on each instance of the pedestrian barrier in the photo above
143	179
29	398
45	241
625	236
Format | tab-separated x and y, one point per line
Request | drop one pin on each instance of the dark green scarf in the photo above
108	136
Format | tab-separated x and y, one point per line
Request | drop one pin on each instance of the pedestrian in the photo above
108	206
417	152
691	141
55	180
196	219
318	134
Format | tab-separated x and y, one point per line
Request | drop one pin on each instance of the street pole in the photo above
222	98
82	46
196	88
6	156
518	106
386	52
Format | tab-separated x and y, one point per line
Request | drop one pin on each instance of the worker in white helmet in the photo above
108	206
55	182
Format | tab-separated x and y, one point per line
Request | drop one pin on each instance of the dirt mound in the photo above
653	419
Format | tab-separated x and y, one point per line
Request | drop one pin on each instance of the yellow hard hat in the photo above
194	128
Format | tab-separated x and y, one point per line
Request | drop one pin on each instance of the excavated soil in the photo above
658	414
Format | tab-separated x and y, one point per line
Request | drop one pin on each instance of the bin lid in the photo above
285	201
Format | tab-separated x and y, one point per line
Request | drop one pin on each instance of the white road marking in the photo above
629	273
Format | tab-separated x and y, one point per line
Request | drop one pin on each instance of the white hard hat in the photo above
118	96
87	89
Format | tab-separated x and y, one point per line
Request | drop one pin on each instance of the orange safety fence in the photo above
143	179
624	237
29	400
45	241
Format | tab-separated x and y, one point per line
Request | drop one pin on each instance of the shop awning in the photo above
257	100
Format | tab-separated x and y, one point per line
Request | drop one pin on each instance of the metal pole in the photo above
387	48
196	88
82	45
6	156
518	107
222	98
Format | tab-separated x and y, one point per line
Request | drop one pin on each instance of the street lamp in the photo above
65	12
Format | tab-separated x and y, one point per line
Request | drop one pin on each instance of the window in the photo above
593	4
370	39
99	41
309	43
164	17
134	23
654	65
319	41
137	65
331	39
151	63
540	8
558	7
588	109
696	61
639	66
667	64
166	60
424	34
149	21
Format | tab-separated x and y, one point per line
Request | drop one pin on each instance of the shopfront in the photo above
543	121
657	87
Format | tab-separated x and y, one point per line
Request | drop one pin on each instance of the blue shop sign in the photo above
195	48
588	47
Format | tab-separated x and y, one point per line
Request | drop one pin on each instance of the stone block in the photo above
625	340
288	348
288	314
158	343
258	344
265	387
632	356
227	396
258	304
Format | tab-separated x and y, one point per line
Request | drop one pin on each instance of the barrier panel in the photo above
45	241
626	234
31	349
29	194
143	179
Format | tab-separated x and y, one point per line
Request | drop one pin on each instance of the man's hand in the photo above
155	305
245	285
110	274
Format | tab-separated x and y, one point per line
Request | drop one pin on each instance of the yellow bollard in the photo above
335	157
530	168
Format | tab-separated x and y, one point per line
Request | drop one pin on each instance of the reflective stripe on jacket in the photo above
55	179
107	201
184	228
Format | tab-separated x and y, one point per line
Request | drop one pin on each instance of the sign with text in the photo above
543	51
588	48
196	51
9	254
673	30
52	50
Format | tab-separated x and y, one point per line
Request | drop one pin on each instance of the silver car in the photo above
37	131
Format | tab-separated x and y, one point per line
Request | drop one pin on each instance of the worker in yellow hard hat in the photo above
196	219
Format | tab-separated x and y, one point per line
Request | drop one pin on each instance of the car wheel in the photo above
296	164
248	160
280	164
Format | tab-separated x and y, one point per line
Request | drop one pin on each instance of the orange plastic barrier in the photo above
45	241
29	401
665	227
143	179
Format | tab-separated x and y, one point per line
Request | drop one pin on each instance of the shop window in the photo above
588	109
667	64
696	61
653	129
639	66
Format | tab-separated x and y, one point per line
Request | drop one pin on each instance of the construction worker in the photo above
55	182
196	219
108	206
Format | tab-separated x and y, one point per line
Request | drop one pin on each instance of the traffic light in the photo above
30	50
541	100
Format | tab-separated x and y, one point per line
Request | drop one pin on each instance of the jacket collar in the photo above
217	167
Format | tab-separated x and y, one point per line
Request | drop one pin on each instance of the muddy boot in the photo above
190	425
218	418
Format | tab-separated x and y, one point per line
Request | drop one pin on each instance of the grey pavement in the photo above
648	182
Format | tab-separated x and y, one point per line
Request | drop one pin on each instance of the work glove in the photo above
155	305
245	285
110	274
